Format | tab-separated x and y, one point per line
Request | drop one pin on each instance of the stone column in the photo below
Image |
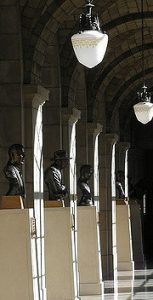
107	209
124	243
10	82
51	79
82	140
135	226
122	162
69	119
34	98
94	131
78	97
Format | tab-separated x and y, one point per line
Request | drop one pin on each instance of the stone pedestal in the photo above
15	255
124	244
136	230
59	264
88	252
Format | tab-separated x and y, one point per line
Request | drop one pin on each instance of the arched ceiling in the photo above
119	76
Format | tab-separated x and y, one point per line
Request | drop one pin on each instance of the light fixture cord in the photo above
142	31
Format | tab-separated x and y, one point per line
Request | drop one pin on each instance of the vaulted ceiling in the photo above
119	76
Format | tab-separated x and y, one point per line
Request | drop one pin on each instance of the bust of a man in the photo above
53	176
13	170
85	173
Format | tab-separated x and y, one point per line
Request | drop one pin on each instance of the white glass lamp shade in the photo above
90	47
143	112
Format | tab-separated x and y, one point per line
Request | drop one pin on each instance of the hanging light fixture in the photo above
90	43
144	109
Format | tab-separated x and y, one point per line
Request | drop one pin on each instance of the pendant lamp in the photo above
144	109
90	43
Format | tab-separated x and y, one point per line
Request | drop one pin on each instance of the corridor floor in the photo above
129	286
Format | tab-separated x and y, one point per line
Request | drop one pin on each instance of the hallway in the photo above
137	286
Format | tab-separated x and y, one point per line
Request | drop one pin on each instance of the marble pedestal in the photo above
16	280
88	252
136	230
123	235
59	256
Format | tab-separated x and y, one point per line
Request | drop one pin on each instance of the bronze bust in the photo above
85	173
13	170
53	176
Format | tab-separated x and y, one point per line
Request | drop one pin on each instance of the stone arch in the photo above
36	33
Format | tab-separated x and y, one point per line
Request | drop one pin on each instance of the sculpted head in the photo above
61	159
120	176
16	154
86	171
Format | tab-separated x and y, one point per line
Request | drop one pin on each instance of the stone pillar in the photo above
122	161
134	215
51	79
69	120
77	97
10	82
107	207
82	144
34	98
94	131
124	244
